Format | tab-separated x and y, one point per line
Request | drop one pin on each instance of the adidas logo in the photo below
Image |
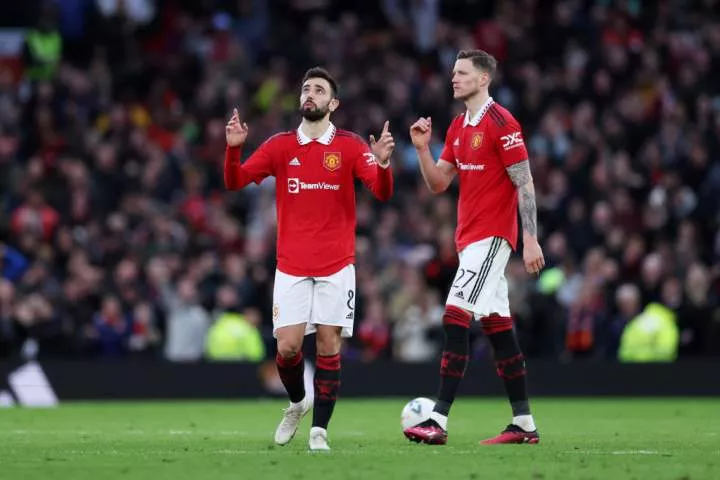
349	316
29	387
459	294
457	142
294	162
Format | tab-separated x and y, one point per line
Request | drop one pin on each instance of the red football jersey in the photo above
315	194
481	148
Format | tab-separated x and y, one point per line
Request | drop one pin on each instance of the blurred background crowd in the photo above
118	239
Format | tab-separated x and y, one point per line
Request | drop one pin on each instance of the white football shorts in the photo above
480	285
315	301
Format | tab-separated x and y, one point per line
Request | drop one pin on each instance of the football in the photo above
416	411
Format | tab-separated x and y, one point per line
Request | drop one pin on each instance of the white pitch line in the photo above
636	452
615	452
124	432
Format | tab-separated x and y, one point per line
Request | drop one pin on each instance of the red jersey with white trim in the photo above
315	194
481	148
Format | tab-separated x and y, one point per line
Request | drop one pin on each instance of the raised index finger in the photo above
386	127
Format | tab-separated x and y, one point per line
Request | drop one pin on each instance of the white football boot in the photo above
318	440
291	419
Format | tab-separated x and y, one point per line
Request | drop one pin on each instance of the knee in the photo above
456	321
493	324
288	348
329	341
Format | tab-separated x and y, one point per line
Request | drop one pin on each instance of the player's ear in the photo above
484	78
334	104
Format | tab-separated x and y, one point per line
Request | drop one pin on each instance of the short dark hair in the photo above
319	72
481	60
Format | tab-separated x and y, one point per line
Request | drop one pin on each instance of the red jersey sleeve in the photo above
509	141
448	153
377	179
258	166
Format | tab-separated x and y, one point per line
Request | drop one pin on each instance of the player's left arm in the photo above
372	164
515	157
521	177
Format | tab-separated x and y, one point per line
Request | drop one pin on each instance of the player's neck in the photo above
476	102
315	129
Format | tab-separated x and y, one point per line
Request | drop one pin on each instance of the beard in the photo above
467	95
314	114
472	89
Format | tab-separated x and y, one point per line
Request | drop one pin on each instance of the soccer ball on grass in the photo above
416	411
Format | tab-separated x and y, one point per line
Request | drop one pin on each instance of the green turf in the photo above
581	439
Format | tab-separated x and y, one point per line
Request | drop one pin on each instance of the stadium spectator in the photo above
111	162
110	329
235	337
13	263
43	47
187	322
416	332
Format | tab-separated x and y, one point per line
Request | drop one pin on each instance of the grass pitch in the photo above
676	439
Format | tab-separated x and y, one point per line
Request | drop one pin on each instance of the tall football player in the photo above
484	147
315	168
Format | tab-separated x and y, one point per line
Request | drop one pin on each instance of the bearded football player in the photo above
315	168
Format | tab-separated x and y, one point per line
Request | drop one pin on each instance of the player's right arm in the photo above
258	166
438	176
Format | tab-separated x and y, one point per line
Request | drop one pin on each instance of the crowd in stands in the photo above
118	239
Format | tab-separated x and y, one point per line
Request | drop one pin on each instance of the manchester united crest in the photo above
276	312
476	141
332	161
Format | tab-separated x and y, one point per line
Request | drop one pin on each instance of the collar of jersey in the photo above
325	138
475	121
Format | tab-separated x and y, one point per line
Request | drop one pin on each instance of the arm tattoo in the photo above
522	179
520	173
